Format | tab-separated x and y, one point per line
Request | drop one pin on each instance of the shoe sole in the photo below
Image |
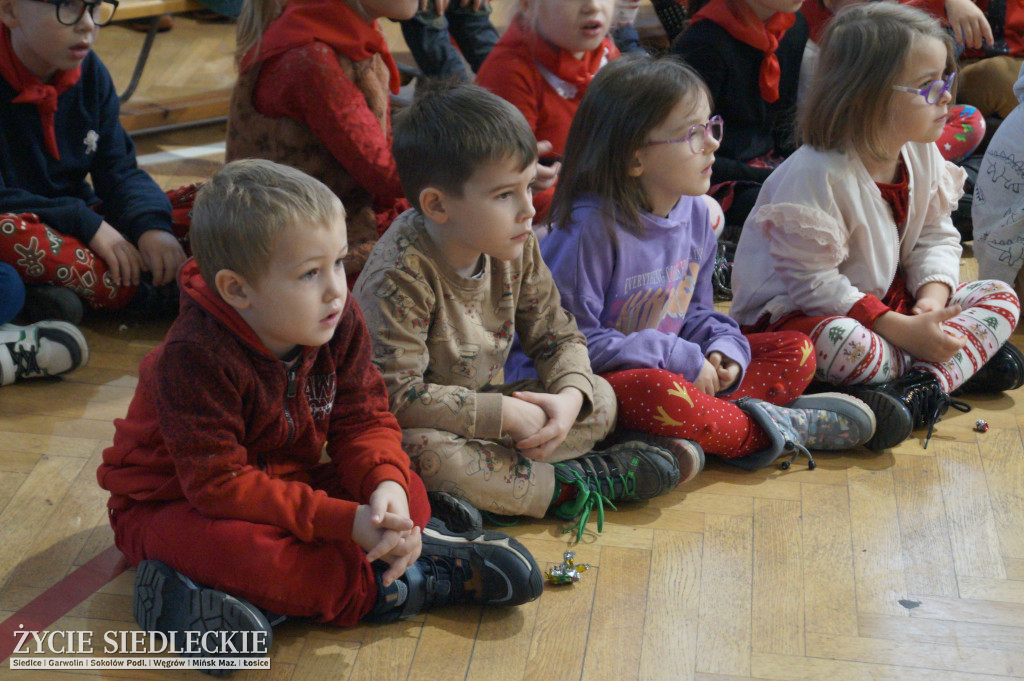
895	422
54	331
438	534
167	601
852	408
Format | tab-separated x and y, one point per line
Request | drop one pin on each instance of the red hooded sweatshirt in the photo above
218	420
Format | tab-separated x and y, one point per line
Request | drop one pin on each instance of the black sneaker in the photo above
1003	371
171	603
628	471
454	568
914	400
44	301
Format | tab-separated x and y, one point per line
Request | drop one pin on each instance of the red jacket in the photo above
218	420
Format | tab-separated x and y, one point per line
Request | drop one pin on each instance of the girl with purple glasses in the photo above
851	241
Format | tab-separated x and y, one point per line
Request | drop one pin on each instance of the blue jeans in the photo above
429	34
12	293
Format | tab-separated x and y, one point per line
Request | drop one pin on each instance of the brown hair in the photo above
626	99
451	129
241	211
863	51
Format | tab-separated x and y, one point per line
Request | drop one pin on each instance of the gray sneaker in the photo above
825	421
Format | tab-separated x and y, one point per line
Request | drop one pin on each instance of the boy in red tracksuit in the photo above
218	492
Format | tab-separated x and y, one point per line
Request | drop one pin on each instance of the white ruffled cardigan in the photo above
821	236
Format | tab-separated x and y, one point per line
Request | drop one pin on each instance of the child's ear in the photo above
432	205
233	288
7	14
636	166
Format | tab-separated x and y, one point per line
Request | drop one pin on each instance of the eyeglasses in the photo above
698	135
70	12
933	93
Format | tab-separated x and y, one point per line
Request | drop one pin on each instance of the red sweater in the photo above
511	71
219	421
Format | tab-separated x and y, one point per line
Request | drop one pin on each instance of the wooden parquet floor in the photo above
906	565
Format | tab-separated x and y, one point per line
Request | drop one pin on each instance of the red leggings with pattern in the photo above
42	255
657	401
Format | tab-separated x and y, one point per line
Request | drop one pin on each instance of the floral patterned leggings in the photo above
849	353
42	255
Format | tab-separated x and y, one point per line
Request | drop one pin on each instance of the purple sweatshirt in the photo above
642	302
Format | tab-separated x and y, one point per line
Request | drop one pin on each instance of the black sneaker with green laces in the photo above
629	471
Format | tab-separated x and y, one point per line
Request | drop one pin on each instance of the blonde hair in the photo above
863	52
252	23
246	206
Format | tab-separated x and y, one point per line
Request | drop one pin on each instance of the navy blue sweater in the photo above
91	142
731	68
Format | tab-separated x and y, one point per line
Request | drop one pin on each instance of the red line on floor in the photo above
59	599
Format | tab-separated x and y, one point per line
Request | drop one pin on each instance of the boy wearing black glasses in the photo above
72	241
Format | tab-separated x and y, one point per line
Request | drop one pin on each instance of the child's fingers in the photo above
549	431
393	521
388	540
949	312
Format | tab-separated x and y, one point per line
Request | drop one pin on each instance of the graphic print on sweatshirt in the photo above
657	298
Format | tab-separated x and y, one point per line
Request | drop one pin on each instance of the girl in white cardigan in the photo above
851	242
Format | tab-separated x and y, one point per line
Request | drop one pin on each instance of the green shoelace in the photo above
582	507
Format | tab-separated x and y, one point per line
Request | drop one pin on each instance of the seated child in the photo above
313	92
429	35
68	239
748	52
632	251
42	349
447	288
851	240
998	209
217	492
543	64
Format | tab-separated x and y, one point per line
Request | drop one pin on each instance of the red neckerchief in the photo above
577	72
817	18
31	90
736	17
331	22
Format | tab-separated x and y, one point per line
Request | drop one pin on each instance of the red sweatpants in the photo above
330	581
663	403
42	255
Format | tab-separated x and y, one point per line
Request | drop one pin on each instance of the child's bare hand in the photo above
546	175
708	381
521	419
923	335
728	370
161	254
931	297
561	411
970	25
384	529
120	256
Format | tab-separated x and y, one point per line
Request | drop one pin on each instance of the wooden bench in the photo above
196	108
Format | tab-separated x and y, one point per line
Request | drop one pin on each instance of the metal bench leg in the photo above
140	64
